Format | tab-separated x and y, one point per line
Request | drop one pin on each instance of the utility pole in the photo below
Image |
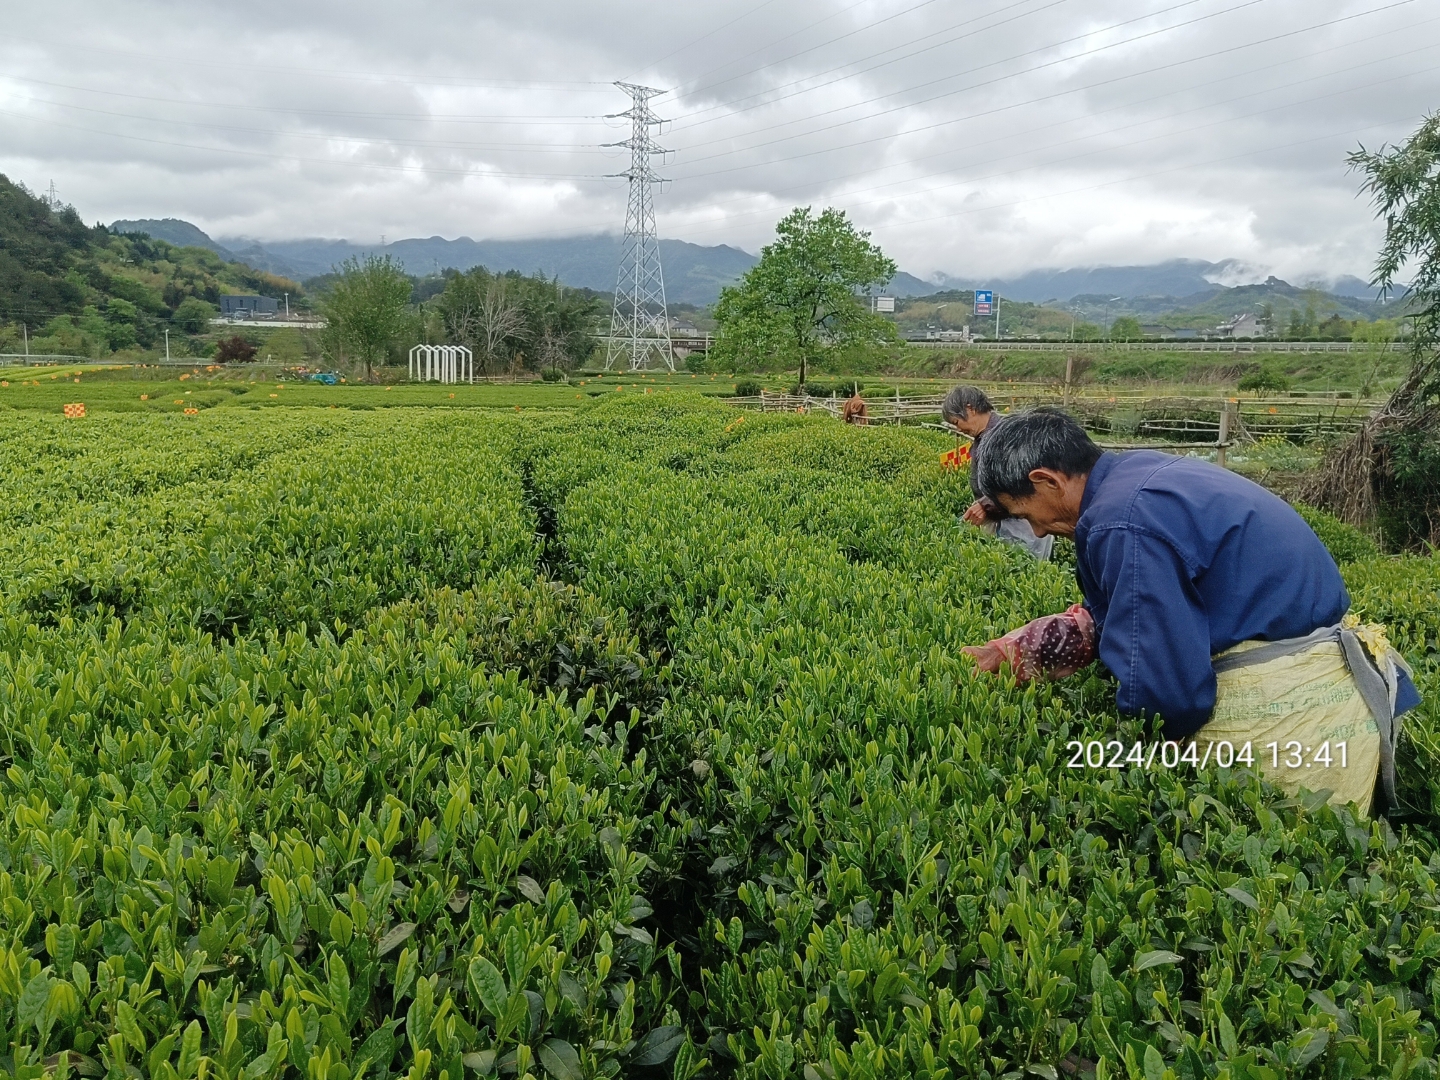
997	316
287	306
640	319
24	329
167	344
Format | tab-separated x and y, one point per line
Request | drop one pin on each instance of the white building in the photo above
1242	326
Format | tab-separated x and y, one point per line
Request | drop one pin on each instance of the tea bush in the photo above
637	742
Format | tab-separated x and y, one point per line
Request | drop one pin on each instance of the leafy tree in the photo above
1379	332
1302	323
366	307
1267	378
234	350
193	315
799	302
1126	328
559	323
532	322
120	316
1390	471
497	321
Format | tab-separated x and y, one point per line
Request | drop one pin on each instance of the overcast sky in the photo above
970	137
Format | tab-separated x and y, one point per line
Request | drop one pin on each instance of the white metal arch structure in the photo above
442	363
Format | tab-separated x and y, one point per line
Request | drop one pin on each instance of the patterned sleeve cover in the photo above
1052	646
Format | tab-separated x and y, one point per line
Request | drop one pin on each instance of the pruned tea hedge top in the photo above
632	742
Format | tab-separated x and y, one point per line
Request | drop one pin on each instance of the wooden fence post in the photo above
1223	441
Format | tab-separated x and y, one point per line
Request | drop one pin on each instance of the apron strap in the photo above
1377	685
1273	650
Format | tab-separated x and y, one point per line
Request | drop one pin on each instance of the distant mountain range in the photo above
694	274
1212	304
1173	278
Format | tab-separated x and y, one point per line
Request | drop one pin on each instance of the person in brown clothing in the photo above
854	410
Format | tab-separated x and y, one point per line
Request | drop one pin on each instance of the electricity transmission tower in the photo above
640	321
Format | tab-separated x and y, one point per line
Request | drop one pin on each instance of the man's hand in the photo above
1052	646
975	515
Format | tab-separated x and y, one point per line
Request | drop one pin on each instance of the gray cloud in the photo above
989	136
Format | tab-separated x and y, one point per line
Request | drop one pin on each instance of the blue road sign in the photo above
984	301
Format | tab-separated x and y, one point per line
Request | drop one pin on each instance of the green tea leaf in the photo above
393	937
1154	1064
1240	895
1309	1045
560	1059
1146	960
189	1063
658	1045
530	889
489	985
37	992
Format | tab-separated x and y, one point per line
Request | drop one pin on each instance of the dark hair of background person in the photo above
1042	438
961	401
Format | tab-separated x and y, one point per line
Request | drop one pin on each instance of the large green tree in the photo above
1126	328
1390	472
803	299
529	322
367	308
478	309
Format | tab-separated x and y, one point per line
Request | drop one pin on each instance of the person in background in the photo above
854	410
1210	600
968	411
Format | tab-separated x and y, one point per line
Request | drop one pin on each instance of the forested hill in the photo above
84	290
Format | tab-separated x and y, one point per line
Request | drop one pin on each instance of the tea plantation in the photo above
634	741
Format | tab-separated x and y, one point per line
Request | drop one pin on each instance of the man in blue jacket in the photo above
1198	580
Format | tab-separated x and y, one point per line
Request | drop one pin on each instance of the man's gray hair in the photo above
1042	438
961	401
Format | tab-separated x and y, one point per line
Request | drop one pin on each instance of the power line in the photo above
478	173
804	29
1159	172
592	86
819	45
1049	163
1122	180
472	118
1032	131
1045	97
691	44
989	82
582	148
850	74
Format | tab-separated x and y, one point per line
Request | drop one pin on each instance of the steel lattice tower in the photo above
640	321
